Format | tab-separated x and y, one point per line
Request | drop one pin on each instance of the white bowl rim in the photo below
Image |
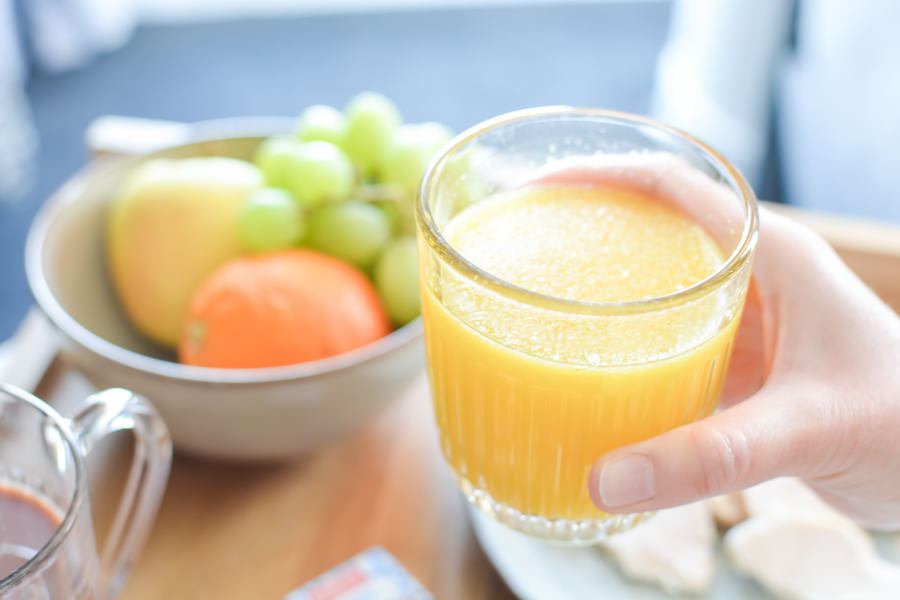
67	194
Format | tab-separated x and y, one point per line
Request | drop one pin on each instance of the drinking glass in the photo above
529	389
42	467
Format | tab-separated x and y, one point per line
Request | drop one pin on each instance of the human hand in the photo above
813	391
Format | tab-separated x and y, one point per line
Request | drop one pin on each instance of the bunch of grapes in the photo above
345	184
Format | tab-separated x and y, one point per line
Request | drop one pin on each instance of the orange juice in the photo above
528	397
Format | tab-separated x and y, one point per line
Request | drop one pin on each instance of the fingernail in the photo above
627	480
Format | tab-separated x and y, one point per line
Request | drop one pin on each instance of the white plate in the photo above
538	570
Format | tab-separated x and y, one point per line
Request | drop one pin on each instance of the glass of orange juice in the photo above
582	273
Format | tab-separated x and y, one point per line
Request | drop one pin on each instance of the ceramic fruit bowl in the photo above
235	414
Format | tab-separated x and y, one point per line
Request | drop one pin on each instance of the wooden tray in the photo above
232	531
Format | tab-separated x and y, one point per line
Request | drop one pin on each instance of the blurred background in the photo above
802	95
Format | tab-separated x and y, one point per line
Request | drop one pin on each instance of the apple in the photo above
172	223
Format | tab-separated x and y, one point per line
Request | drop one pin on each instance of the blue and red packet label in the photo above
371	575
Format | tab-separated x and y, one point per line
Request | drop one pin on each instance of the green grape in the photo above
322	122
275	158
371	121
397	280
320	172
270	220
467	176
352	231
411	149
392	211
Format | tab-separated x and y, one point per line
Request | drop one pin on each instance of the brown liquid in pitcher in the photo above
27	523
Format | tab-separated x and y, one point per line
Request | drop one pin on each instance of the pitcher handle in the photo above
115	410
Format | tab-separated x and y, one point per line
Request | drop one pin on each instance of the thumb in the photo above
758	439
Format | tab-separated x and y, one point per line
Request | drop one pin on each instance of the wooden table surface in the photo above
258	531
240	531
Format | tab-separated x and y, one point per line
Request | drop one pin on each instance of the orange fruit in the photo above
281	308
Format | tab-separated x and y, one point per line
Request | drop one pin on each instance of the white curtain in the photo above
715	74
839	109
727	65
51	35
67	33
17	137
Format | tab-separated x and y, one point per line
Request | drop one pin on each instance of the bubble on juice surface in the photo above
587	245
